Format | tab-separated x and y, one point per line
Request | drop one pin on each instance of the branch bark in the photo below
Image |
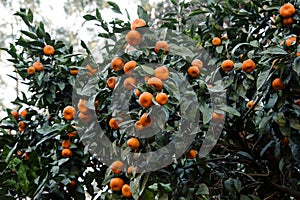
285	189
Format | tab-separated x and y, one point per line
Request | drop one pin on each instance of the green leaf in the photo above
219	49
142	13
197	12
10	153
166	187
244	197
22	178
245	154
238	46
203	189
274	51
30	15
148	69
115	7
294	122
147	194
98	15
175	2
89	17
29	34
262	78
254	43
280	119
230	110
144	182
296	65
85	47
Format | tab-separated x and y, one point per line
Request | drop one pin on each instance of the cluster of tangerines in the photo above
287	11
146	98
248	65
20	117
69	114
37	66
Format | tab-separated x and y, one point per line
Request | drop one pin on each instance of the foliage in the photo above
257	155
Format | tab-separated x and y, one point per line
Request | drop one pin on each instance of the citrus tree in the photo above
244	55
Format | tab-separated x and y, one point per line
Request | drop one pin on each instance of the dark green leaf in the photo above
89	17
115	7
142	13
29	34
203	189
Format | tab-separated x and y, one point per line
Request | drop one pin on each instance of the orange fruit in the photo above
85	117
145	99
133	38
15	114
111	82
137	23
133	143
277	84
161	45
126	192
74	71
129	170
20	152
250	104
298	54
137	93
24	113
116	184
91	70
38	66
161	98
66	144
72	134
67	153
191	154
138	126
129	66
30	70
48	50
285	141
113	123
69	113
198	63
162	73
248	66
287	10
22	125
297	102
216	41
227	65
130	83
146	78
216	117
145	120
117	167
193	71
21	130
117	63
156	83
82	107
288	21
72	183
25	156
290	41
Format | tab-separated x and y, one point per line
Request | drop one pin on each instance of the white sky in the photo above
54	11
